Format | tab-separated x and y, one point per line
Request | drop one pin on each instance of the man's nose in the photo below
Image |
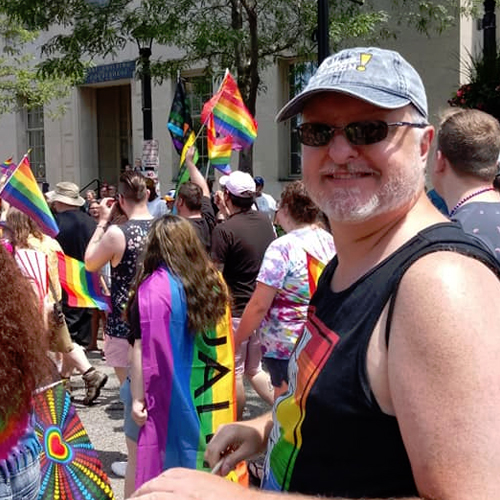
340	150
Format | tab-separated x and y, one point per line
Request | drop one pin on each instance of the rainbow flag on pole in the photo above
219	148
189	381
22	192
231	116
82	287
7	165
314	269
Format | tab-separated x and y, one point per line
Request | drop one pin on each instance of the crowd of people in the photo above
385	382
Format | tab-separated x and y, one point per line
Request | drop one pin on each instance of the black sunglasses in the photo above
357	133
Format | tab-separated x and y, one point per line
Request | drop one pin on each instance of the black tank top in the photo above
330	437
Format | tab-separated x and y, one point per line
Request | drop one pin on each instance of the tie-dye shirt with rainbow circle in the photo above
285	267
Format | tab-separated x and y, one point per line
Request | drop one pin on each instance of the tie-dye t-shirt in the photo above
285	267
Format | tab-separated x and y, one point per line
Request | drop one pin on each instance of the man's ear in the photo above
426	142
440	163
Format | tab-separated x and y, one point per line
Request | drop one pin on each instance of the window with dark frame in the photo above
299	74
199	91
35	138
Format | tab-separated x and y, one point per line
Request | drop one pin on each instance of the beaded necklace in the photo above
468	197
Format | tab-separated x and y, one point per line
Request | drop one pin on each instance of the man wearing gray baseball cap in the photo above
395	383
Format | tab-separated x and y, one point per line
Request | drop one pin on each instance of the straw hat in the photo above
66	192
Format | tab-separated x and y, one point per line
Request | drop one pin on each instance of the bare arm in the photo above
139	411
106	245
255	311
444	376
194	173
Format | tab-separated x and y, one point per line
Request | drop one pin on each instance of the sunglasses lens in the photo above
364	133
315	134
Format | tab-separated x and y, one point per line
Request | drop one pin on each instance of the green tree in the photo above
244	35
21	85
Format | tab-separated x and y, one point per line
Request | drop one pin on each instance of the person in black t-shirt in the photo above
193	202
238	245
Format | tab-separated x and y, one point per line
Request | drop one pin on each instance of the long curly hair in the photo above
23	360
172	241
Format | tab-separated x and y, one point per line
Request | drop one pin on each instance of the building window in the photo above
298	76
200	89
35	138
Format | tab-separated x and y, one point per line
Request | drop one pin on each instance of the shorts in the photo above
116	351
278	370
130	428
60	339
249	354
21	480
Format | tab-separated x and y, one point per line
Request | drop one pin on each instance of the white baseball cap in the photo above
239	184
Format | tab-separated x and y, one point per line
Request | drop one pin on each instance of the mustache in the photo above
348	169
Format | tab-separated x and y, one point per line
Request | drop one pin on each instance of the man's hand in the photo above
187	484
139	412
233	443
221	205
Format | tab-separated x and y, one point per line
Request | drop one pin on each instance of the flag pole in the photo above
208	169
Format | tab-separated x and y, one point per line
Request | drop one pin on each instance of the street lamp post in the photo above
489	30
323	33
147	113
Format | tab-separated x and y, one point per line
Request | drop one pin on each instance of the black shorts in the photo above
278	369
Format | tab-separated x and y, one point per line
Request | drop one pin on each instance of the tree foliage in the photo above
244	35
21	86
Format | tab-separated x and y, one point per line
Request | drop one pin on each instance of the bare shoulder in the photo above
113	231
448	282
448	298
444	375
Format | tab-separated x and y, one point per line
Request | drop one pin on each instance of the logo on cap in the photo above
364	59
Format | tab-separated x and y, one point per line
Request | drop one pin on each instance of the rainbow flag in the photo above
7	165
189	380
22	192
82	287
231	116
219	148
314	269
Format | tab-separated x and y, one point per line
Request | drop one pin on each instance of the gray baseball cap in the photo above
378	76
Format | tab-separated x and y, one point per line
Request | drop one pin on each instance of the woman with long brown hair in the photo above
179	317
23	366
